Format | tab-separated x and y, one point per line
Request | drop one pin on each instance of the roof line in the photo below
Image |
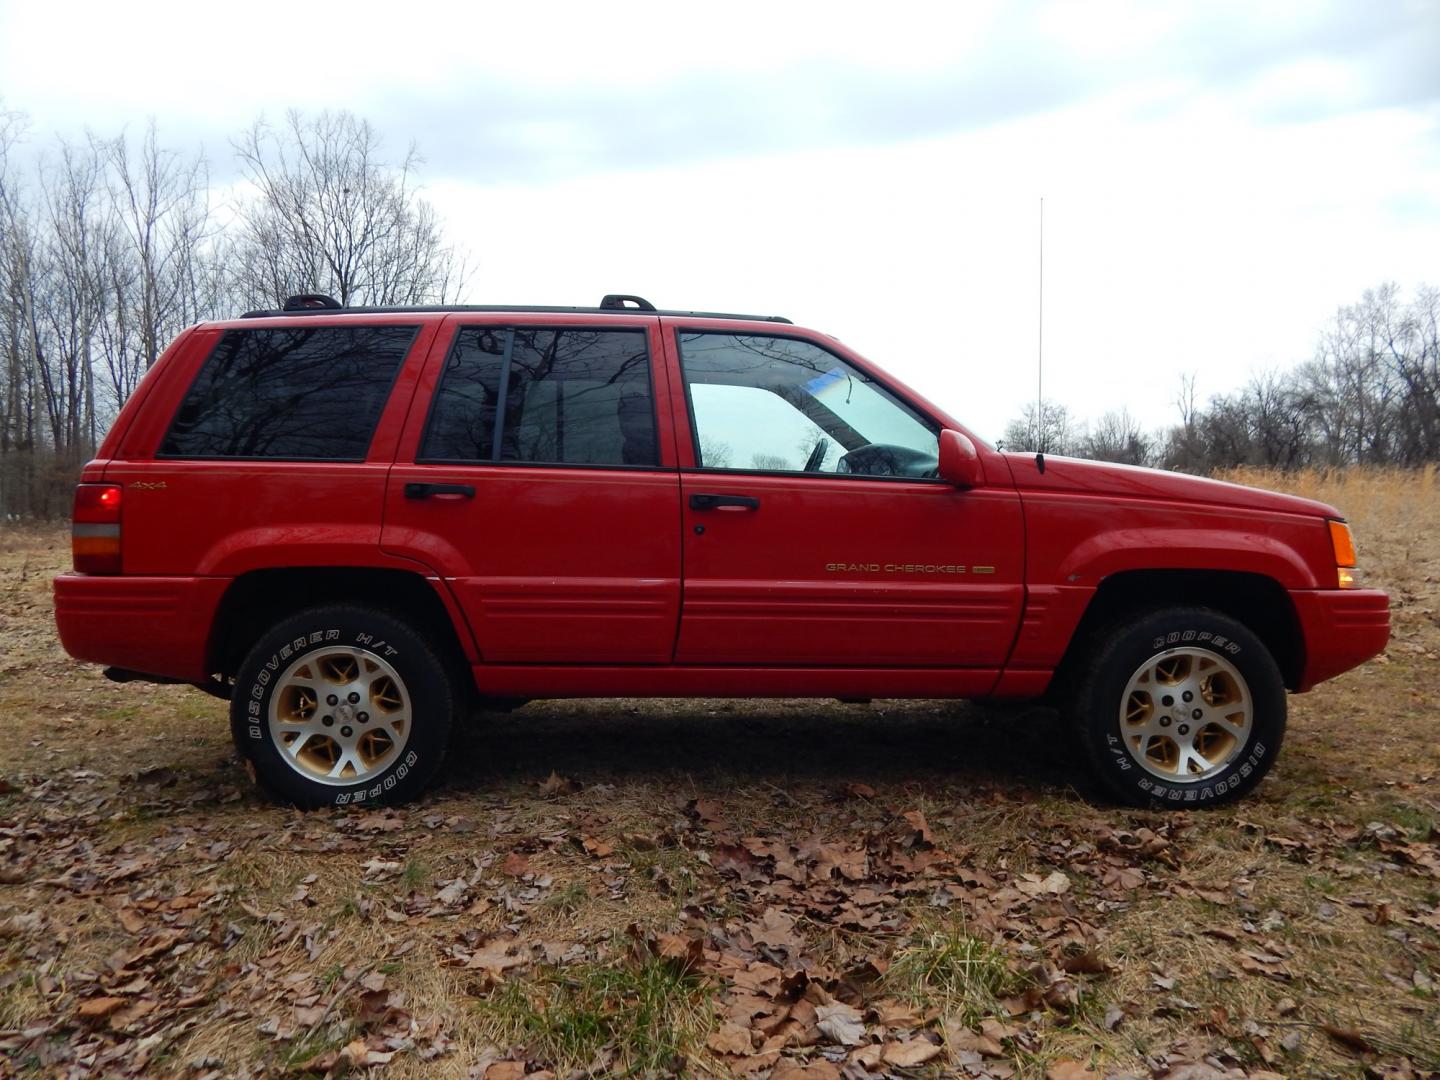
431	309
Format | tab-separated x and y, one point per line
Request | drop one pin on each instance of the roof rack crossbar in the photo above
311	302
624	301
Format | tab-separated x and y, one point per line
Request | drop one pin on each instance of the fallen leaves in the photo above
910	1052
1054	884
840	1023
516	864
144	910
97	1007
1069	1069
1349	1038
731	1038
555	785
600	849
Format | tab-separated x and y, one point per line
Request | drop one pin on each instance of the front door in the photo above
533	480
816	532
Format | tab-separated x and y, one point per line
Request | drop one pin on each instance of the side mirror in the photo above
959	463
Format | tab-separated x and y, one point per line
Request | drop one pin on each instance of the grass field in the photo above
774	888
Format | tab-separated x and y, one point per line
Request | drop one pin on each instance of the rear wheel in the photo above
1180	707
341	705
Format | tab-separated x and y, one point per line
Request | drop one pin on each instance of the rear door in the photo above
816	533
537	476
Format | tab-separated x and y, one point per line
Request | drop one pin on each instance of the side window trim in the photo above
502	396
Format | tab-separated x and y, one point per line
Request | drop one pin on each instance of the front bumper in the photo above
1343	628
156	625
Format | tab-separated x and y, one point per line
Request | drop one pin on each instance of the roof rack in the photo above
610	304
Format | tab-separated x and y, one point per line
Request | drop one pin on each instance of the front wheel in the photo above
1180	707
342	705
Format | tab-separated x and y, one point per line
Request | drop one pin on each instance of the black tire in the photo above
1143	764
385	758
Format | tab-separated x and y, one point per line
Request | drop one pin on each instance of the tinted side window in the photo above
563	397
305	392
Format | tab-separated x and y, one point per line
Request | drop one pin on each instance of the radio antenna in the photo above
1040	349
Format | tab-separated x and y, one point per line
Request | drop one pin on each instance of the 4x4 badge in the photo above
147	485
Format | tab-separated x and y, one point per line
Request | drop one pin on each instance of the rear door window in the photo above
297	393
558	396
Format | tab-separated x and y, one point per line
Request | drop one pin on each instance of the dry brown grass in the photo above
1292	872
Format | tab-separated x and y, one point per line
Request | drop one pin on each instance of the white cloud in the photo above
1190	245
1218	178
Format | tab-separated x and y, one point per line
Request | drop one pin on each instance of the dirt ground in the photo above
786	889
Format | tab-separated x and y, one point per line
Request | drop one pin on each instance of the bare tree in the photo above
81	241
1055	433
329	214
18	325
1117	437
165	272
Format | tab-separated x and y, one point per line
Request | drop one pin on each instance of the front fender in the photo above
1235	550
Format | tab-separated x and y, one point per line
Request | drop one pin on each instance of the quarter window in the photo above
779	404
307	393
544	396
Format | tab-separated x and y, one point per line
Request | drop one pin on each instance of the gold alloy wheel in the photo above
1186	714
340	716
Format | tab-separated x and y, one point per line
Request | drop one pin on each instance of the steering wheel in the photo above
817	455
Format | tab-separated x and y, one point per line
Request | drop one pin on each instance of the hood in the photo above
1103	478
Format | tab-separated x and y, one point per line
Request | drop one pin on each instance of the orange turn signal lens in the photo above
1344	545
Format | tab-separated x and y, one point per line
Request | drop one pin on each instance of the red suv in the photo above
356	523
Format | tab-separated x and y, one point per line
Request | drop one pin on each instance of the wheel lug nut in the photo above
1197	714
354	697
332	700
346	731
1188	696
1164	721
1184	729
328	721
1167	701
363	717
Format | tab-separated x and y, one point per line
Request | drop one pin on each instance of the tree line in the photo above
111	245
1369	396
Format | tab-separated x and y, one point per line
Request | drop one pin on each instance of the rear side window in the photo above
307	393
544	396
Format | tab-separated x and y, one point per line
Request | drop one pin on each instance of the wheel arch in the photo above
257	600
1259	602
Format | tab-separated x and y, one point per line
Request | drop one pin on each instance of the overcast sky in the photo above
1218	178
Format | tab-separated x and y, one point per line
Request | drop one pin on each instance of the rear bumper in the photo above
156	625
1343	628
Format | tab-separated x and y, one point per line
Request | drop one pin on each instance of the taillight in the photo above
95	534
1344	545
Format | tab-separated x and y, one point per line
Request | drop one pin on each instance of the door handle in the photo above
424	491
714	502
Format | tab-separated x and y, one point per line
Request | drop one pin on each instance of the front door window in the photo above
777	404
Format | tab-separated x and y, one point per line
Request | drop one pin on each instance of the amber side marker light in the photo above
1344	545
95	532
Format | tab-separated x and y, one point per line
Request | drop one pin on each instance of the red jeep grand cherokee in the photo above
356	523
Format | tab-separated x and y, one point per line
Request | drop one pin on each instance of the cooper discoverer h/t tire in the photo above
1180	707
343	705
